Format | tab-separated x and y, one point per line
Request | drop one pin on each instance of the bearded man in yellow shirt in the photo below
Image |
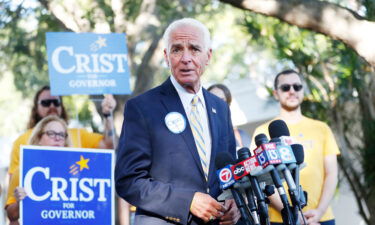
45	104
319	177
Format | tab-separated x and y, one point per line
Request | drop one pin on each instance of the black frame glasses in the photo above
286	87
53	134
48	102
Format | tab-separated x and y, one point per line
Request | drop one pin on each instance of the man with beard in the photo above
45	105
319	177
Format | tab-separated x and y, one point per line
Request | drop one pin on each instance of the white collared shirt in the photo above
186	99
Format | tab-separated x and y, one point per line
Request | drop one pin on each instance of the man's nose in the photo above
186	57
292	90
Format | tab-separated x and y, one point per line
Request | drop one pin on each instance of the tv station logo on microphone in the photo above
239	170
87	63
67	186
267	154
225	177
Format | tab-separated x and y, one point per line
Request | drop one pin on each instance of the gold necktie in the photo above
197	129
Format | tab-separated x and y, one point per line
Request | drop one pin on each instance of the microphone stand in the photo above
242	207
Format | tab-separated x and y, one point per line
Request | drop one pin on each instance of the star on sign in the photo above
83	163
101	42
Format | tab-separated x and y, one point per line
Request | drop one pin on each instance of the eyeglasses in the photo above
48	102
57	135
286	87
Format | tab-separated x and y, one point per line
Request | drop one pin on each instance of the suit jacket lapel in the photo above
172	102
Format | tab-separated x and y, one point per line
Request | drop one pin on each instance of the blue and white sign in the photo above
67	186
87	63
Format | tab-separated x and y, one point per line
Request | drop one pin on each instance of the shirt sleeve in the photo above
88	139
14	182
330	147
15	155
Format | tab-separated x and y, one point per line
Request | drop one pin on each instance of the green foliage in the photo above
23	44
370	9
337	82
80	108
23	27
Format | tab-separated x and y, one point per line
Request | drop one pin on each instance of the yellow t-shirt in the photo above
318	141
14	182
80	138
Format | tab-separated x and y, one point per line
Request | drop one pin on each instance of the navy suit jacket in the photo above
159	171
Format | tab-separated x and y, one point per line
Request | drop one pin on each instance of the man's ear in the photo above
275	95
209	55
166	57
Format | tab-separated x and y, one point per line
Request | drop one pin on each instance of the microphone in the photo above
268	156
223	163
299	155
245	155
260	139
277	129
279	133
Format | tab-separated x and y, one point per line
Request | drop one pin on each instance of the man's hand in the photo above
313	216
205	207
301	218
232	215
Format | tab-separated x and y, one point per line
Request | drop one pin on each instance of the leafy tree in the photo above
340	85
323	17
23	27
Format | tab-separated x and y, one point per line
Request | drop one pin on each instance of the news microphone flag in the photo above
286	154
225	177
267	154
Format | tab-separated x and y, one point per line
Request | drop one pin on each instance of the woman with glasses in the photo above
45	104
50	131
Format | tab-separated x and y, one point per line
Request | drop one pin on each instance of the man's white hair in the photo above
187	22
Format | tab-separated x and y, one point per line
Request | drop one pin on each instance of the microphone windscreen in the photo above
298	153
223	159
260	139
278	128
243	153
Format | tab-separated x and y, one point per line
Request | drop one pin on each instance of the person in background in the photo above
45	104
170	137
223	92
50	131
319	177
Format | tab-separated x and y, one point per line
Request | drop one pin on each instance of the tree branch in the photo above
320	16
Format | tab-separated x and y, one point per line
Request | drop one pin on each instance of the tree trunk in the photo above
367	104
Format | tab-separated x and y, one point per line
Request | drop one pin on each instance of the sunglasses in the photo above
48	102
286	87
57	135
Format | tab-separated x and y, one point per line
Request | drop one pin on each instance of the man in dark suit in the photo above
171	136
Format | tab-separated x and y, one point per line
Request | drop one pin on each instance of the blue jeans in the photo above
328	222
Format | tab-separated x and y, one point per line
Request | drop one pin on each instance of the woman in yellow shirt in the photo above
50	131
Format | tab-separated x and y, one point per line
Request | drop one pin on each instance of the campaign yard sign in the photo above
87	63
67	186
